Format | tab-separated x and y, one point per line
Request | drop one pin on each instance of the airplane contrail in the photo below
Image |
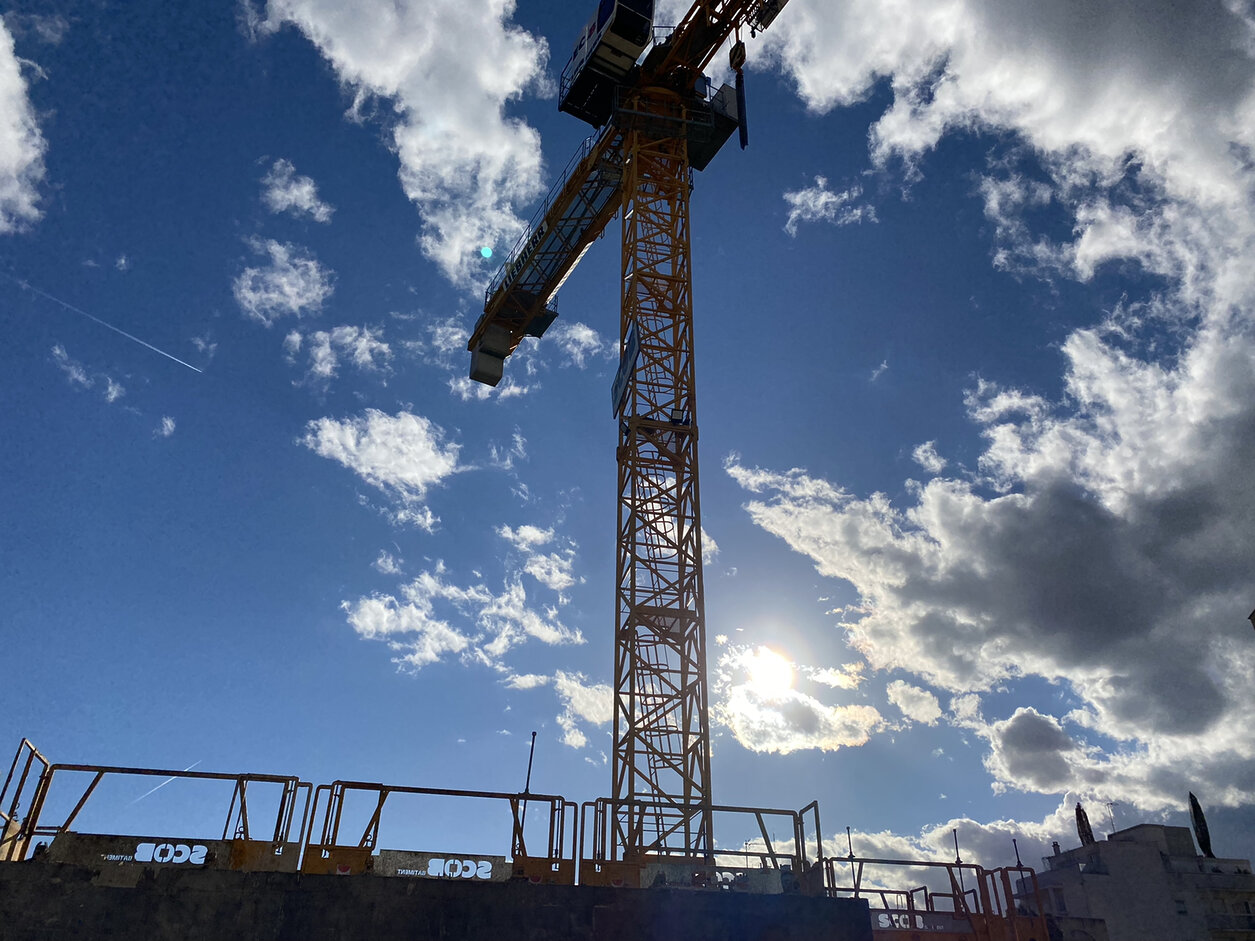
167	780
56	300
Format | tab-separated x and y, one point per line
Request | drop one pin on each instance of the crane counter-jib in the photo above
573	216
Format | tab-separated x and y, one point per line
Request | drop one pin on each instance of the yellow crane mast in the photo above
658	122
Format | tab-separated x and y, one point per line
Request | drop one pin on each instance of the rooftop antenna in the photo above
849	842
1111	812
527	785
958	860
1016	844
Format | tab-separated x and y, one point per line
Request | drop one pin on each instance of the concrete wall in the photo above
42	900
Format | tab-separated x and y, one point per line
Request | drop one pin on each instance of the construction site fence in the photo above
953	900
278	823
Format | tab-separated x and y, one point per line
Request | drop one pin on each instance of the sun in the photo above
770	673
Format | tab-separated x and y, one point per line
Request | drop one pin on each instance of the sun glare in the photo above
770	673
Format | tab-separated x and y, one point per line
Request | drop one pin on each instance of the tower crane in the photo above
657	121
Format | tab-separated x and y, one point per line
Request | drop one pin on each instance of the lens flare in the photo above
486	251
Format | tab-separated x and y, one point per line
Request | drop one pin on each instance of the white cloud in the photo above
410	626
165	429
470	391
49	28
926	456
819	204
526	537
579	342
772	718
22	145
1103	543
293	283
848	676
360	347
493	623
387	563
918	705
710	548
525	681
403	455
287	191
581	702
72	368
552	570
78	376
205	346
446	70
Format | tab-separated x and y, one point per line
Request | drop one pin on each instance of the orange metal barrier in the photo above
12	837
769	870
238	847
327	854
973	903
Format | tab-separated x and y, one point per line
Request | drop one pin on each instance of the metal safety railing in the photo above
586	147
964	900
12	842
764	864
316	832
327	852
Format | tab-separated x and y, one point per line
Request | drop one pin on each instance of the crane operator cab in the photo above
605	54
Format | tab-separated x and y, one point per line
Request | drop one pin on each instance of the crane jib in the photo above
523	255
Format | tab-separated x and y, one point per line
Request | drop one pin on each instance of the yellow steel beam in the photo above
661	727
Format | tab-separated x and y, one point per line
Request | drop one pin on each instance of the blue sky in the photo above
976	375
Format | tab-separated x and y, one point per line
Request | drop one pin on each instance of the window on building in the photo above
1060	903
1181	909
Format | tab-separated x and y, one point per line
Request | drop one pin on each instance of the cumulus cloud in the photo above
403	455
445	71
387	563
165	429
361	347
918	705
22	145
581	702
766	714
526	537
525	680
579	342
292	284
1102	542
1032	751
848	676
820	204
284	190
491	622
710	548
467	390
926	456
554	570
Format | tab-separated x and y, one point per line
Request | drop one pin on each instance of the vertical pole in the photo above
661	766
